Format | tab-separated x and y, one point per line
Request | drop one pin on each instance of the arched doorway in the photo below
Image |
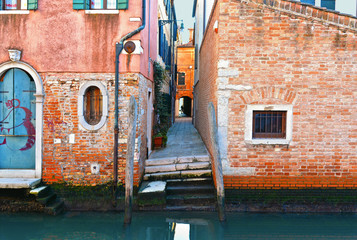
185	107
21	99
17	120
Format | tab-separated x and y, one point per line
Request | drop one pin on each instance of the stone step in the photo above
190	199
193	166
189	207
178	174
55	208
45	200
176	160
177	167
162	176
41	192
152	193
184	143
189	181
160	168
182	189
196	173
160	161
15	183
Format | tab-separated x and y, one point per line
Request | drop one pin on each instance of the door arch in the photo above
185	106
27	104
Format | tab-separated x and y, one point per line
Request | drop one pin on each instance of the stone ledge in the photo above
15	183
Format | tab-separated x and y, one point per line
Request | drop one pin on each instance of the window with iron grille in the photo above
181	78
93	105
269	124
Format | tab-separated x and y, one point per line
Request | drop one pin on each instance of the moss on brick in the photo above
287	196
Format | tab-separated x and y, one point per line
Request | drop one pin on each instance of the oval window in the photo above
93	105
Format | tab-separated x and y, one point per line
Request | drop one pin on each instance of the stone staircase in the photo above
179	176
178	167
45	195
188	183
28	195
190	194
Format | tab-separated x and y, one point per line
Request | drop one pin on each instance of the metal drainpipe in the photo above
118	49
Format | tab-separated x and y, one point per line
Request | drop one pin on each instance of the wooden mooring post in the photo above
216	161
129	169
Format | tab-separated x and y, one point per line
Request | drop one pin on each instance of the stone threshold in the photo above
17	183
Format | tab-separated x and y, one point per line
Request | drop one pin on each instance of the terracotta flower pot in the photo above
158	142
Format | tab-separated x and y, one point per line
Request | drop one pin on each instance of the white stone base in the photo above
16	183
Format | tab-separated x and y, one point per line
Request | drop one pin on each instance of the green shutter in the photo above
32	4
80	4
1	5
123	4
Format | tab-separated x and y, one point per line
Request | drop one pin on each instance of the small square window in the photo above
269	124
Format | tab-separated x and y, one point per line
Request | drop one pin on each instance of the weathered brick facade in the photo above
71	162
273	54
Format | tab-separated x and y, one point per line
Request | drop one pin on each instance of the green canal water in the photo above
177	226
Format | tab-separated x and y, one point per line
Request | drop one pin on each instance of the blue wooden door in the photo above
17	120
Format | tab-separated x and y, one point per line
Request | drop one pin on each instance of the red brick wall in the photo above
205	89
71	163
296	59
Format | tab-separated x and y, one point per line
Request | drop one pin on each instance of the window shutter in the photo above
1	6
312	2
32	4
80	4
123	4
329	4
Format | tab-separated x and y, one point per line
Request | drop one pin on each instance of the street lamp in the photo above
164	22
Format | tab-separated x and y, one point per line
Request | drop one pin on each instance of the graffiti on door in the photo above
14	106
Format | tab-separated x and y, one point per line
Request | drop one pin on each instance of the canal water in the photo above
177	226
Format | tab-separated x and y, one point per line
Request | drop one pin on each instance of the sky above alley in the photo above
184	12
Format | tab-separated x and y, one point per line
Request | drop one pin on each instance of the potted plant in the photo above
158	140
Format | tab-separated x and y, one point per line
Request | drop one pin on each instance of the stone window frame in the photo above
248	135
104	117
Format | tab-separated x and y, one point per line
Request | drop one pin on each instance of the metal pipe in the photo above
118	49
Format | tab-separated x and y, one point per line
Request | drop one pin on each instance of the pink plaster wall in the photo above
56	38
